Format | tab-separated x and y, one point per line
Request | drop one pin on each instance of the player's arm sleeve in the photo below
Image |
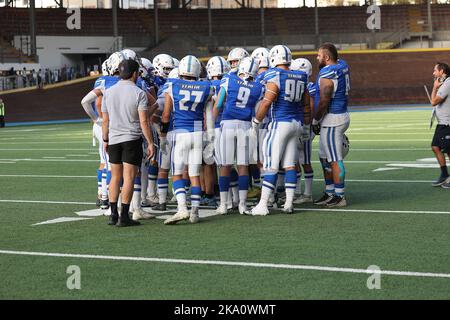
86	102
272	77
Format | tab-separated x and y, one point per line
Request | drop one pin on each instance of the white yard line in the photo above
52	159
47	202
230	264
45	176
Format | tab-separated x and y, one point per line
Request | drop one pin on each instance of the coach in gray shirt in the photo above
441	101
124	110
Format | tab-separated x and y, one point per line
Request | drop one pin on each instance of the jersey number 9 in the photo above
242	97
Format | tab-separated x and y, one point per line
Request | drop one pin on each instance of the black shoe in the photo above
160	207
337	201
113	220
439	182
104	204
127	222
98	202
322	201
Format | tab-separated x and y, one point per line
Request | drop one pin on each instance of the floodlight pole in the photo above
263	33
316	23
209	20
155	9
32	29
430	24
114	16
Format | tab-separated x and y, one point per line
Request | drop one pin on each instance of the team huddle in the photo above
243	123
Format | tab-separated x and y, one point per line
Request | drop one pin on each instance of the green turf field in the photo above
394	220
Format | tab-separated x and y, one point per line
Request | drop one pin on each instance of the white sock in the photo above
308	183
243	196
298	187
289	197
224	198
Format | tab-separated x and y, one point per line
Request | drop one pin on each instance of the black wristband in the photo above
165	127
105	140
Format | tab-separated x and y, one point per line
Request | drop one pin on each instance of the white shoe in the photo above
303	199
193	218
151	201
288	209
222	209
260	210
139	214
243	208
181	215
107	212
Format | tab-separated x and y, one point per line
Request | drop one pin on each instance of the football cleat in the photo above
337	201
104	204
243	208
440	181
260	210
222	209
160	207
113	219
98	202
127	222
303	199
322	201
288	209
181	215
194	218
139	214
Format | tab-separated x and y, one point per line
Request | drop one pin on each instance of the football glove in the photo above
315	127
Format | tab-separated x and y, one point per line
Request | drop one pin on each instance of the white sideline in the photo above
48	202
231	263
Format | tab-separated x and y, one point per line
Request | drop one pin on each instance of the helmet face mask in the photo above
217	67
280	55
248	68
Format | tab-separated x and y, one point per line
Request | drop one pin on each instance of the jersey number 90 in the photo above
294	90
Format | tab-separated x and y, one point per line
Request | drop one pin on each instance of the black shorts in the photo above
441	138
128	152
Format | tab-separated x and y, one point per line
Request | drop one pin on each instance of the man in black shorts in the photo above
124	111
441	140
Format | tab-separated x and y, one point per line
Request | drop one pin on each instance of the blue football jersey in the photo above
189	102
242	97
292	85
215	84
161	99
159	83
102	83
340	75
142	84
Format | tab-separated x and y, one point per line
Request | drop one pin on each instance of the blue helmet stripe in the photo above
286	52
189	64
251	66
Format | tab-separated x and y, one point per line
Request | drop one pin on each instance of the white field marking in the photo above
384	181
7	162
91	213
46	142
427	160
52	160
59	220
386	169
29	149
390	133
389	140
414	165
53	157
372	211
202	213
31	130
47	202
44	176
230	263
77	155
375	161
387	149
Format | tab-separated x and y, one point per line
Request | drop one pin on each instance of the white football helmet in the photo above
258	54
235	56
173	74
176	62
217	66
302	64
346	146
114	60
129	54
105	68
163	64
190	67
146	68
248	67
278	55
263	62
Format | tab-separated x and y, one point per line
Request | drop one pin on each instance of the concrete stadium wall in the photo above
390	76
377	78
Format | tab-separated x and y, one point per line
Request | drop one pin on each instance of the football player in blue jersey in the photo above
331	99
285	96
234	58
216	68
305	146
92	105
166	148
163	64
186	98
238	96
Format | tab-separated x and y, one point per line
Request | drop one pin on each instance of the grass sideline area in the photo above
394	220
